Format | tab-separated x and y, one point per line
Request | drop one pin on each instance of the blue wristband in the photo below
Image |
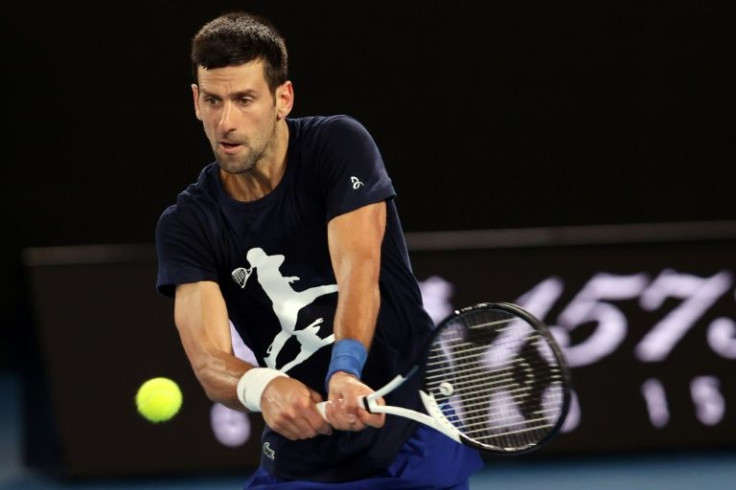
347	355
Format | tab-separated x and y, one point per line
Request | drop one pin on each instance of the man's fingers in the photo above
320	422
289	409
304	425
372	419
317	422
341	417
336	415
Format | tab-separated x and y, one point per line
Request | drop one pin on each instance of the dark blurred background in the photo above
488	115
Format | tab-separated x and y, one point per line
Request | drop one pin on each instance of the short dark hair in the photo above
239	37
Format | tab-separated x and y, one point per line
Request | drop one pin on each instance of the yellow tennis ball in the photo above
158	399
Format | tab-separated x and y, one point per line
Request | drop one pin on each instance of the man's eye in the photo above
210	100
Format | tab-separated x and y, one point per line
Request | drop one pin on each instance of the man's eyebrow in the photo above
203	91
233	95
243	93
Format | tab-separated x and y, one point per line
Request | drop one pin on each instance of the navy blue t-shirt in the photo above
271	260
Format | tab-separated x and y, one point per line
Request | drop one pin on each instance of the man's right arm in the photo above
201	317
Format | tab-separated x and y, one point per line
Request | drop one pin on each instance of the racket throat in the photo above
436	418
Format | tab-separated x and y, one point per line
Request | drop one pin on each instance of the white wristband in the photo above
252	383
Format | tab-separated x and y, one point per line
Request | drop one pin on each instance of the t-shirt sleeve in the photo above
353	168
182	252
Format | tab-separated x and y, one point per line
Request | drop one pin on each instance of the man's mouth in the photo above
229	146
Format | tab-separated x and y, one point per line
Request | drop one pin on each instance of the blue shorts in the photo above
428	460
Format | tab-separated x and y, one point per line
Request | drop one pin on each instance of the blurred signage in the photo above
645	315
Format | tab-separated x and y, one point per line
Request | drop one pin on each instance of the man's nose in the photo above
227	117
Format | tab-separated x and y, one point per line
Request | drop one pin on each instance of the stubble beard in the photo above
238	164
243	163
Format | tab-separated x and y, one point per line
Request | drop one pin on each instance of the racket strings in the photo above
502	377
496	380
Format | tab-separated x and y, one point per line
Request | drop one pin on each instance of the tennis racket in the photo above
493	378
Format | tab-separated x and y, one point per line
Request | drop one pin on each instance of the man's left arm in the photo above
355	248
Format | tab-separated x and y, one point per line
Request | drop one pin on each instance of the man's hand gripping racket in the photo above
493	378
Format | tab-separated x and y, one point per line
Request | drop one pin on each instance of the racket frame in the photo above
437	419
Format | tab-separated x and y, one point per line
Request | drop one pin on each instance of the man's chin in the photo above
231	165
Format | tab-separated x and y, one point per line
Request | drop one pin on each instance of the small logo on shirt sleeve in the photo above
357	184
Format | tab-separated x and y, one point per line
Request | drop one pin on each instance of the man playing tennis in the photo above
293	235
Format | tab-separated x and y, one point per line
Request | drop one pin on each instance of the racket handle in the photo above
321	409
322	406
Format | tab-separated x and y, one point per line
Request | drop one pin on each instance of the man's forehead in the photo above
247	75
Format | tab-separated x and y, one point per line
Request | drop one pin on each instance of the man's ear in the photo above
284	99
195	95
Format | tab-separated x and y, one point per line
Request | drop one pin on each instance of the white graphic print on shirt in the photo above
286	305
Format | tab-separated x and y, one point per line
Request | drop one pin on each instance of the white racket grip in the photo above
322	406
369	401
321	409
